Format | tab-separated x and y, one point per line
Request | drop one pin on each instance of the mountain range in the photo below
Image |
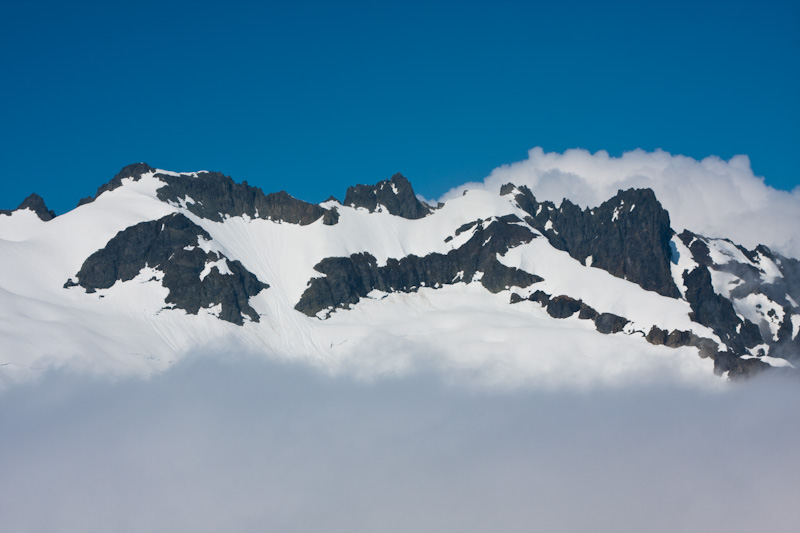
159	265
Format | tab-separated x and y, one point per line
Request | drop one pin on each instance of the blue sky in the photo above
313	97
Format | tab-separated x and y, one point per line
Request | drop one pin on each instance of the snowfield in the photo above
462	328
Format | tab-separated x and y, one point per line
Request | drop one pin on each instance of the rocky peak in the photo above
507	188
627	236
35	203
394	194
135	171
213	195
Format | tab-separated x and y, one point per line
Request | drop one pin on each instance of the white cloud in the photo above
713	197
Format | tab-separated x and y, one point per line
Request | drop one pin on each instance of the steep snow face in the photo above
605	293
681	263
473	334
129	328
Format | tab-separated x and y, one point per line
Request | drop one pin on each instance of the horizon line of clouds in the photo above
711	196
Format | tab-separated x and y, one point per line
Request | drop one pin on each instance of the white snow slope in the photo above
462	329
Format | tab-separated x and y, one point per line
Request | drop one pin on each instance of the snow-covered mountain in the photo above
160	265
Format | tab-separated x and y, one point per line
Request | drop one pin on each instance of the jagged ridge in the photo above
348	279
395	194
627	236
213	195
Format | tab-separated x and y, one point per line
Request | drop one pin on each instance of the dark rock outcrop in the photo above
627	236
134	171
213	195
348	279
35	203
657	336
716	312
677	338
587	312
748	270
507	188
737	367
395	194
170	245
563	307
541	297
608	323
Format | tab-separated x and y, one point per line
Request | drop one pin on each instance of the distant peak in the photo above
641	195
35	203
508	188
133	171
395	194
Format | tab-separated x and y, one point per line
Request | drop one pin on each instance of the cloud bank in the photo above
713	197
251	446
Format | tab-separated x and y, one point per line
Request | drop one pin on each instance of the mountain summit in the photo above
158	265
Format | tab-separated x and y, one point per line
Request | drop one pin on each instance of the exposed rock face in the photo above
677	338
395	194
758	275
627	236
213	195
587	312
563	307
348	279
133	171
739	368
608	323
170	245
35	203
541	297
715	311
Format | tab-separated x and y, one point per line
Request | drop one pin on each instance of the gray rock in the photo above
627	236
348	279
215	196
35	203
563	307
170	245
395	194
607	323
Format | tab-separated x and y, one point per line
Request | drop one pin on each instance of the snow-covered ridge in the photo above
430	281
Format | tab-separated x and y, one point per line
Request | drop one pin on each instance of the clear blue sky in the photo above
313	97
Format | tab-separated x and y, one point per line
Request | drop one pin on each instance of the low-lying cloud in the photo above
713	197
247	445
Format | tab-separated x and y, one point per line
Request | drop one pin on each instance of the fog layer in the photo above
255	446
